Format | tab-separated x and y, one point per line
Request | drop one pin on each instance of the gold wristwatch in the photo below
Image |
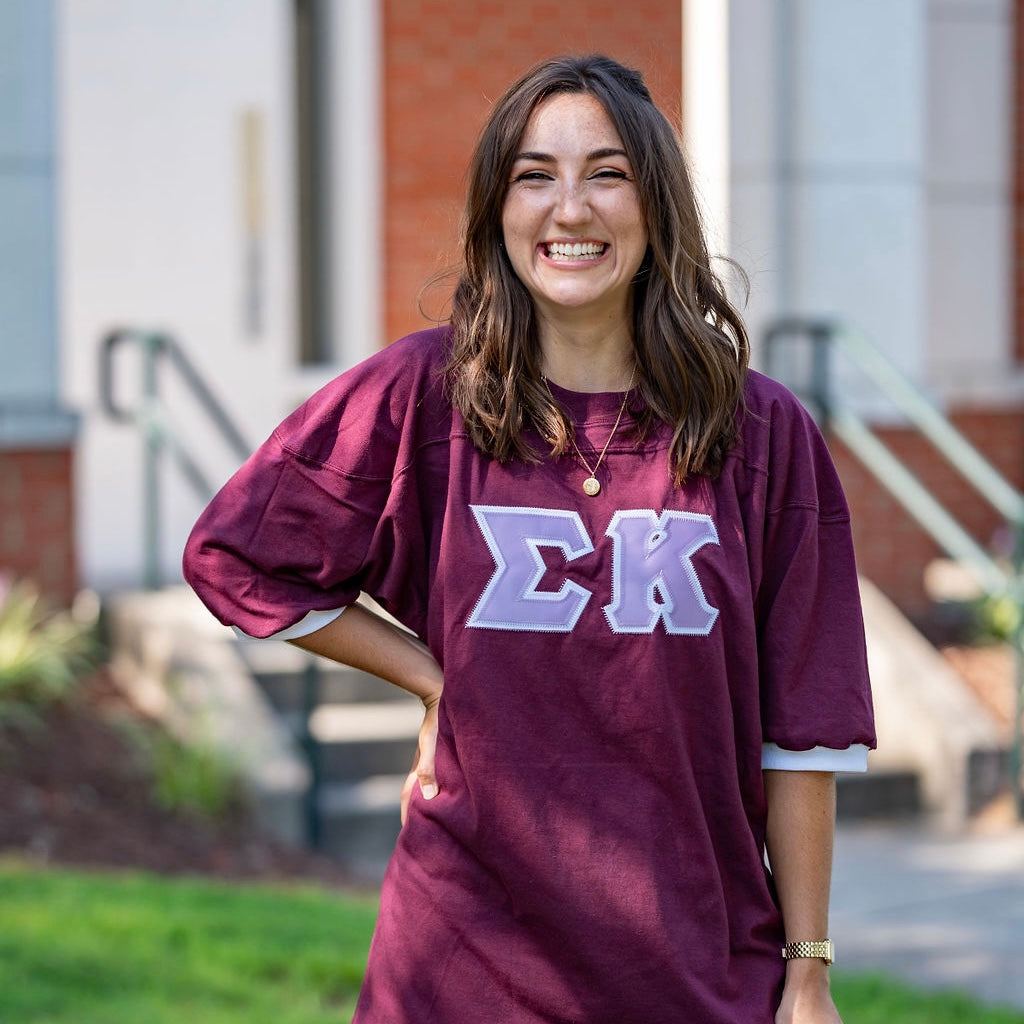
820	950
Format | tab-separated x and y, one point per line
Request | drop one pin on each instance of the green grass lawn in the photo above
874	999
83	948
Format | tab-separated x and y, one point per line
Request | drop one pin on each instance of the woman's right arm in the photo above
365	641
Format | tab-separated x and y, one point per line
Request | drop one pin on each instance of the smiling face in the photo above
571	221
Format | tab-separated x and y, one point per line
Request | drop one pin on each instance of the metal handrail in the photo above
155	424
995	579
911	402
151	418
918	501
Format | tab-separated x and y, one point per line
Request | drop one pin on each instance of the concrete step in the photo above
281	672
366	731
377	794
360	822
360	723
931	727
176	663
358	741
882	795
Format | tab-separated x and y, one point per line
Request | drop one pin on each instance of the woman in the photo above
628	565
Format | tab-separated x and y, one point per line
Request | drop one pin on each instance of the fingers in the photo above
423	768
422	773
407	788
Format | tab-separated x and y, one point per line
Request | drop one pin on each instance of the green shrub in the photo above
193	777
42	653
999	618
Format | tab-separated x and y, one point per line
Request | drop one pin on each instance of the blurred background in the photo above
272	182
209	208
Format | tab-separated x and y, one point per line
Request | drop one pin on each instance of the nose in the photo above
572	205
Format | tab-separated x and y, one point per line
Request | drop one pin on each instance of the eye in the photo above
610	174
532	176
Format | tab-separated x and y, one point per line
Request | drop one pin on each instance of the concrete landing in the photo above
939	911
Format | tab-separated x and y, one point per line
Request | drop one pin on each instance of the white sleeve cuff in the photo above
309	623
819	759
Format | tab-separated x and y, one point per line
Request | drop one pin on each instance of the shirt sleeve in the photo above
339	500
815	690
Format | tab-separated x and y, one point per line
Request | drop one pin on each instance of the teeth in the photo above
575	250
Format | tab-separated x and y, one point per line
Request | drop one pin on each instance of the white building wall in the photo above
870	177
828	141
156	233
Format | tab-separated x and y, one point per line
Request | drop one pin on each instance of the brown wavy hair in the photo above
690	344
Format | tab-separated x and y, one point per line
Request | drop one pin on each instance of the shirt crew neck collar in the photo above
583	406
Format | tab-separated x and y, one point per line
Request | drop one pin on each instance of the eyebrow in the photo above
597	154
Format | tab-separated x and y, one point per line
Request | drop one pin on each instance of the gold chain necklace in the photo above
592	486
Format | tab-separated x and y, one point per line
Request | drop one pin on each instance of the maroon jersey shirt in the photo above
613	666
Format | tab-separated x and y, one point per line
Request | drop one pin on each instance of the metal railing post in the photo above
821	369
159	434
1017	751
152	450
311	748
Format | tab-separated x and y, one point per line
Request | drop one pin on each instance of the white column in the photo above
356	176
970	181
706	111
829	179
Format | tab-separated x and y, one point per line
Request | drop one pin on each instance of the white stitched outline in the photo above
658	585
480	620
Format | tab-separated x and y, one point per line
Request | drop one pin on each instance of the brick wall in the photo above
36	519
445	62
892	550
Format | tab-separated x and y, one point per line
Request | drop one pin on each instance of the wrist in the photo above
807	969
807	980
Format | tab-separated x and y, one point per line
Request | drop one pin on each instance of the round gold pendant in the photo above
591	487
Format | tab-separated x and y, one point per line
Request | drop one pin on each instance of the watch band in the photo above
822	949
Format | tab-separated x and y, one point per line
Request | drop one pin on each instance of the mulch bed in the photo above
75	790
